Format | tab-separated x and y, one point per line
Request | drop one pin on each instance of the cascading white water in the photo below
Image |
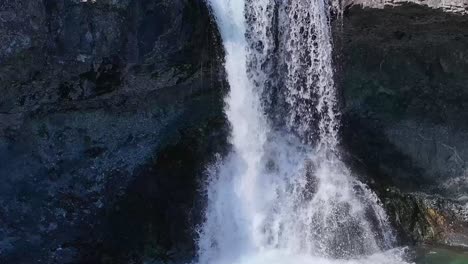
283	195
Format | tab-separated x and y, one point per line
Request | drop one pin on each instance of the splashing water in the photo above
283	195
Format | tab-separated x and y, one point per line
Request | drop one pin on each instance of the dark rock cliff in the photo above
108	110
405	94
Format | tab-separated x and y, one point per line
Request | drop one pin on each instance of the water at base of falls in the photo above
280	257
283	195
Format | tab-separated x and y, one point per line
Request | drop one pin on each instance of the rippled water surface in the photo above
441	255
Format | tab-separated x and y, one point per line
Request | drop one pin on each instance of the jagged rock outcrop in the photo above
424	218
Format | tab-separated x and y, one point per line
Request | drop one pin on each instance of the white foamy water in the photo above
283	195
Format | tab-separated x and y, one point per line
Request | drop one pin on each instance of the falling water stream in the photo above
283	195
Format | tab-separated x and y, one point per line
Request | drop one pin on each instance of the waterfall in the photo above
283	195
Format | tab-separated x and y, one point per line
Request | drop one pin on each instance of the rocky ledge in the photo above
453	6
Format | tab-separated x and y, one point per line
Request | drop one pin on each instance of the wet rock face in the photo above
94	93
405	109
